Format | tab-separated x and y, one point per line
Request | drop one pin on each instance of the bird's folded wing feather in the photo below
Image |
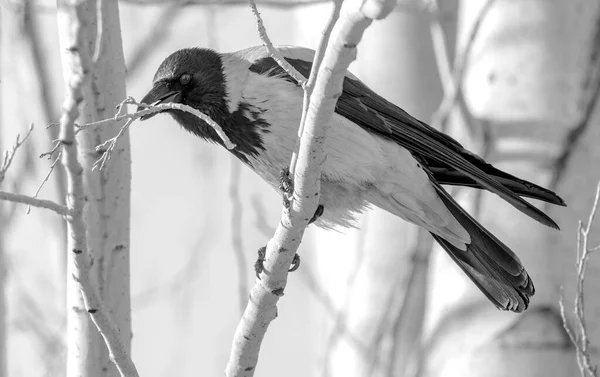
446	157
369	110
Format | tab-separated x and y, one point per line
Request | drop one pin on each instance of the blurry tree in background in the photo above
529	82
92	52
107	212
372	303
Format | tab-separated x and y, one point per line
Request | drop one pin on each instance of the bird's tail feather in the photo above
521	187
490	264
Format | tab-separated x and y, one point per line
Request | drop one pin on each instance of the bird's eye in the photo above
185	78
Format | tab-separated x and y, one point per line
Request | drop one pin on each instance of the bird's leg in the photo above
286	185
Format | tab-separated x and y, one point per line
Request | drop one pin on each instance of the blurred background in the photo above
515	81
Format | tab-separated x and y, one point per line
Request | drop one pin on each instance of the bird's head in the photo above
193	77
198	78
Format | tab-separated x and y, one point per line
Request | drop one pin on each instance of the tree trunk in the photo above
108	204
524	83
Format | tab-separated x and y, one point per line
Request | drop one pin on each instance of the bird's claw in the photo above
295	263
286	185
318	213
260	267
259	264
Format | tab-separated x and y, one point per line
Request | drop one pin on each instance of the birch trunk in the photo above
528	66
108	204
376	276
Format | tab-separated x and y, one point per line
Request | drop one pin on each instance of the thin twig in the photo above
40	203
10	154
52	166
57	144
275	54
579	338
108	146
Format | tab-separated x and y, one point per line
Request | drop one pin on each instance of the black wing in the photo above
446	158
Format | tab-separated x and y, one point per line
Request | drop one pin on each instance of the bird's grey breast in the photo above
277	104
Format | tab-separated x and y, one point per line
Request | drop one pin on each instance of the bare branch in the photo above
275	54
108	146
265	294
52	166
579	338
24	199
39	203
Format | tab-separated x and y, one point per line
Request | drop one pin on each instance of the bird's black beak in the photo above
160	93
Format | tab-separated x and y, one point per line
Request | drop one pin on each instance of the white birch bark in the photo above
525	78
107	192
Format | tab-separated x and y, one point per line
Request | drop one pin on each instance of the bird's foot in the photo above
295	263
286	185
318	213
260	267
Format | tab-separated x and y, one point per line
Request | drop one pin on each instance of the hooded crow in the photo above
377	154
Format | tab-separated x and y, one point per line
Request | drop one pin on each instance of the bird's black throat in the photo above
244	127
